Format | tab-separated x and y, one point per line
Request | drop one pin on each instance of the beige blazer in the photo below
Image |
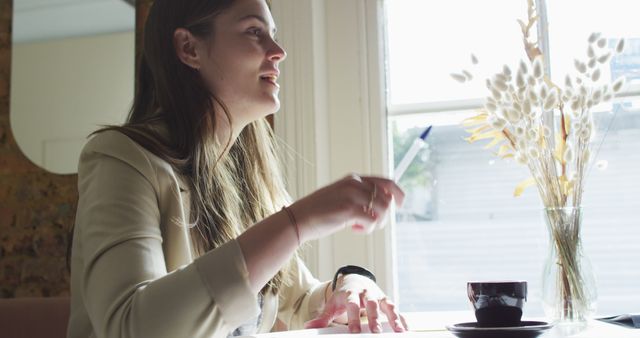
133	271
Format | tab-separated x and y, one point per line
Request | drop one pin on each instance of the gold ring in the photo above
373	197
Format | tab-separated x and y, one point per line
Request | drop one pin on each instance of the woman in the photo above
181	228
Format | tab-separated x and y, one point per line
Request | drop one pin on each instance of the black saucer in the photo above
526	329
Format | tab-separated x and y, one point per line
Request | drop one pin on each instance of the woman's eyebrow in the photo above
259	18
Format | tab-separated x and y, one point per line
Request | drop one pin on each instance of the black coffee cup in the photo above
497	303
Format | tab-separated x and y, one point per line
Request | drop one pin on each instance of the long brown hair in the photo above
232	186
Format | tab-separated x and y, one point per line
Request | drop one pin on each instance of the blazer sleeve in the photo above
303	300
125	285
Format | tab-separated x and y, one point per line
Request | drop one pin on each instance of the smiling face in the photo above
239	62
243	64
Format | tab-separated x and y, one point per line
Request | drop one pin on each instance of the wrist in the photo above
302	222
351	269
293	222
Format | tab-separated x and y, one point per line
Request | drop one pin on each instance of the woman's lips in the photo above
272	79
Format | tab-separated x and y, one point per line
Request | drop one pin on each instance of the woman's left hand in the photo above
354	296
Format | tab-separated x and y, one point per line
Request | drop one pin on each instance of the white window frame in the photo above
333	80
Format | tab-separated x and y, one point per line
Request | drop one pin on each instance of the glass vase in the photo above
568	286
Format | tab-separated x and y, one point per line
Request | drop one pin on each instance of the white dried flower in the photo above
583	90
496	94
620	46
496	122
551	101
546	131
568	155
531	80
499	84
514	116
520	132
592	63
581	67
517	106
567	82
538	70
602	42
506	70
617	85
597	95
520	80
533	96
523	67
534	153
544	91
490	107
500	77
596	75
585	134
604	58
521	158
532	135
522	144
606	97
474	59
593	37
458	77
526	107
590	52
467	75
575	105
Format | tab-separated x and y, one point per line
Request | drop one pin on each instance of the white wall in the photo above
61	90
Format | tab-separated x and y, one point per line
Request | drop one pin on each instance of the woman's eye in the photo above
255	31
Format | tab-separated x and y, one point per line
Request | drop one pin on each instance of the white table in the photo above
433	325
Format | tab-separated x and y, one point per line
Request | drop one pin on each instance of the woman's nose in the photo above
276	52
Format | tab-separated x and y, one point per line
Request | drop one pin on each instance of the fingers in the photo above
387	185
333	308
371	198
404	323
353	312
395	319
373	313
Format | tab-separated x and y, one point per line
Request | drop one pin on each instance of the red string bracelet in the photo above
292	218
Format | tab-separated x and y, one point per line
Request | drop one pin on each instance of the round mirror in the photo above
72	70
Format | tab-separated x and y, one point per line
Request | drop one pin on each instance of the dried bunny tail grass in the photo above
620	46
520	81
524	69
580	66
538	70
506	70
618	84
459	77
567	81
593	37
604	58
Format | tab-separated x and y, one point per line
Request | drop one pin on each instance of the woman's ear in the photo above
185	45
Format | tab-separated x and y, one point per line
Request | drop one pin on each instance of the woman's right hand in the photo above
346	203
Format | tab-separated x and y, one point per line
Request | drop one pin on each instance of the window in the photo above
460	221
